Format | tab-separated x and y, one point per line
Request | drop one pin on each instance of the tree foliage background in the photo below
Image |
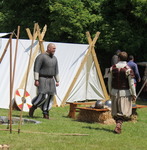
123	24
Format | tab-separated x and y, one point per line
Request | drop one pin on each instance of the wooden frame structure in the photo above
91	51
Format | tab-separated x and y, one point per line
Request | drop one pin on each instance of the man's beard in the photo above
51	55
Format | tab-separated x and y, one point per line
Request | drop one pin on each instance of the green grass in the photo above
50	134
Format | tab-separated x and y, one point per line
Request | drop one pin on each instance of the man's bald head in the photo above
51	48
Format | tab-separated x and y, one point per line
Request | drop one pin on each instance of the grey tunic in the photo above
46	66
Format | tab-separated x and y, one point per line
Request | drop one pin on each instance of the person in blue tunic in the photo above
134	67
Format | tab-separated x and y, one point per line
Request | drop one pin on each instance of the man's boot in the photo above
117	129
31	111
46	116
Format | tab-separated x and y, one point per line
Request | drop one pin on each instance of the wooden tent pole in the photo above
100	75
16	49
15	57
9	42
12	76
80	68
30	35
40	40
23	98
10	105
97	65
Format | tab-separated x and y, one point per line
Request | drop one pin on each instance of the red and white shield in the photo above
20	97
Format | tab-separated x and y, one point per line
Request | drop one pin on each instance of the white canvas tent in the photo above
79	78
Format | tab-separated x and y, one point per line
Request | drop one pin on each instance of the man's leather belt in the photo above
45	76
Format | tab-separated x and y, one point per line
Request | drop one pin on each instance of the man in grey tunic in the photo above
46	77
122	90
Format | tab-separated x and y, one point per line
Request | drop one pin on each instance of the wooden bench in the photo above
74	108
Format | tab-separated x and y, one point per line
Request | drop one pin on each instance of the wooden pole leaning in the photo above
92	43
23	98
5	50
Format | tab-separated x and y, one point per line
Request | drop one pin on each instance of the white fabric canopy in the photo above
70	56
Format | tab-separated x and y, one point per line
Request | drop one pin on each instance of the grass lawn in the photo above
59	133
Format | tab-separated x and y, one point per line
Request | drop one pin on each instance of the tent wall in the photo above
69	58
87	86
